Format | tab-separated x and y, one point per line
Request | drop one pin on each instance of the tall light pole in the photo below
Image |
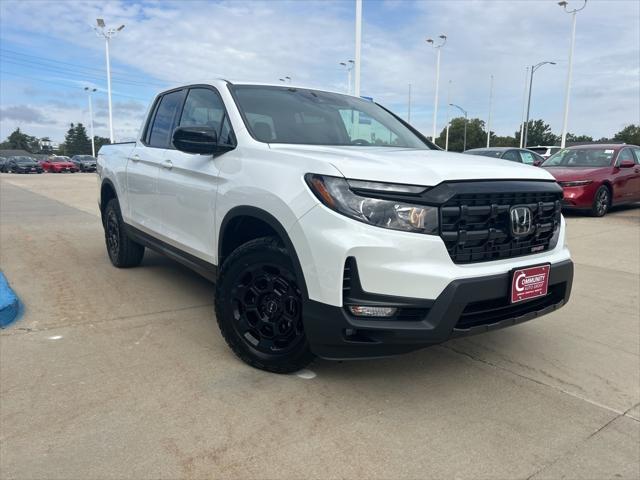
358	46
524	104
489	119
526	123
438	47
90	91
446	137
567	94
409	106
464	143
108	33
349	66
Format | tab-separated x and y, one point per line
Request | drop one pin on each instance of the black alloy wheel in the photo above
259	307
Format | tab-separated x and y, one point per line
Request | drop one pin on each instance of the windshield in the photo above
84	158
310	117
23	160
485	153
581	157
60	159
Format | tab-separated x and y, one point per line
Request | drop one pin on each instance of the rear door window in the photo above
162	126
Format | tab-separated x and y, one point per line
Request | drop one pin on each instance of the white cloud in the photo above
263	41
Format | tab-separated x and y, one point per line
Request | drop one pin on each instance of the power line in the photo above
68	71
66	85
43	62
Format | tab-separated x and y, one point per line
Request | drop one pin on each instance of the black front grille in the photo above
476	227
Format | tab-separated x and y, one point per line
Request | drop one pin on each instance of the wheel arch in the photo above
255	223
107	192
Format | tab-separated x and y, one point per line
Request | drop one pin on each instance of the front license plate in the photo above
528	283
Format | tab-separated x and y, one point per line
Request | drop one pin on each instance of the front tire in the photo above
259	307
601	202
123	252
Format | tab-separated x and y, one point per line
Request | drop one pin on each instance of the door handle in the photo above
135	158
167	164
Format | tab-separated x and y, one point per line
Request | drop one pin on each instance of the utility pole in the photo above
524	104
438	48
90	91
348	65
446	137
358	45
409	106
489	120
108	33
567	94
526	125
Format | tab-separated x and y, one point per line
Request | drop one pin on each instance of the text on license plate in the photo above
528	283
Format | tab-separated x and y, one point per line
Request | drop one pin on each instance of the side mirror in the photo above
627	164
202	140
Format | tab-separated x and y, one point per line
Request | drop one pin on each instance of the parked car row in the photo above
593	177
52	164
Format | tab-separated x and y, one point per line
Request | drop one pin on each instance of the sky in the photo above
49	52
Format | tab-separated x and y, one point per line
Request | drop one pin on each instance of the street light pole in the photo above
349	66
489	120
446	137
524	103
409	106
102	31
90	91
438	48
358	46
526	125
567	94
464	142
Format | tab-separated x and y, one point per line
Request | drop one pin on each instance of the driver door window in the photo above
511	155
527	157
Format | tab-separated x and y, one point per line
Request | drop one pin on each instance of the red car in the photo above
595	177
57	164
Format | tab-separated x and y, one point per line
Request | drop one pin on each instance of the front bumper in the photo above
579	197
465	307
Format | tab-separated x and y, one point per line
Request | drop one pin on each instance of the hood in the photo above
575	173
64	164
411	166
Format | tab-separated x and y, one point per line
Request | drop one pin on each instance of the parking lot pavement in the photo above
123	374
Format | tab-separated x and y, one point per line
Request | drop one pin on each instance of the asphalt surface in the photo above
123	373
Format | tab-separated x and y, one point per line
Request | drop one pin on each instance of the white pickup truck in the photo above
330	226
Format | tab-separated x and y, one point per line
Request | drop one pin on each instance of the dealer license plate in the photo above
529	283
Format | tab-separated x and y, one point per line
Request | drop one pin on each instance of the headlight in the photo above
577	183
337	194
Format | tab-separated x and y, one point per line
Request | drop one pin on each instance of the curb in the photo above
9	303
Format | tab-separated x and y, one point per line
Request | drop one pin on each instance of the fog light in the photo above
368	311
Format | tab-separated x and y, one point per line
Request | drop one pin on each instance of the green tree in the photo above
629	134
539	133
476	135
507	141
100	141
571	138
18	140
76	141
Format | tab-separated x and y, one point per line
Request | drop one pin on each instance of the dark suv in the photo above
85	163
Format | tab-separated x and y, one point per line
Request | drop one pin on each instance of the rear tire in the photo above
123	252
601	202
259	307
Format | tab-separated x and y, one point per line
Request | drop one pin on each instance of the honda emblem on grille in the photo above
521	221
